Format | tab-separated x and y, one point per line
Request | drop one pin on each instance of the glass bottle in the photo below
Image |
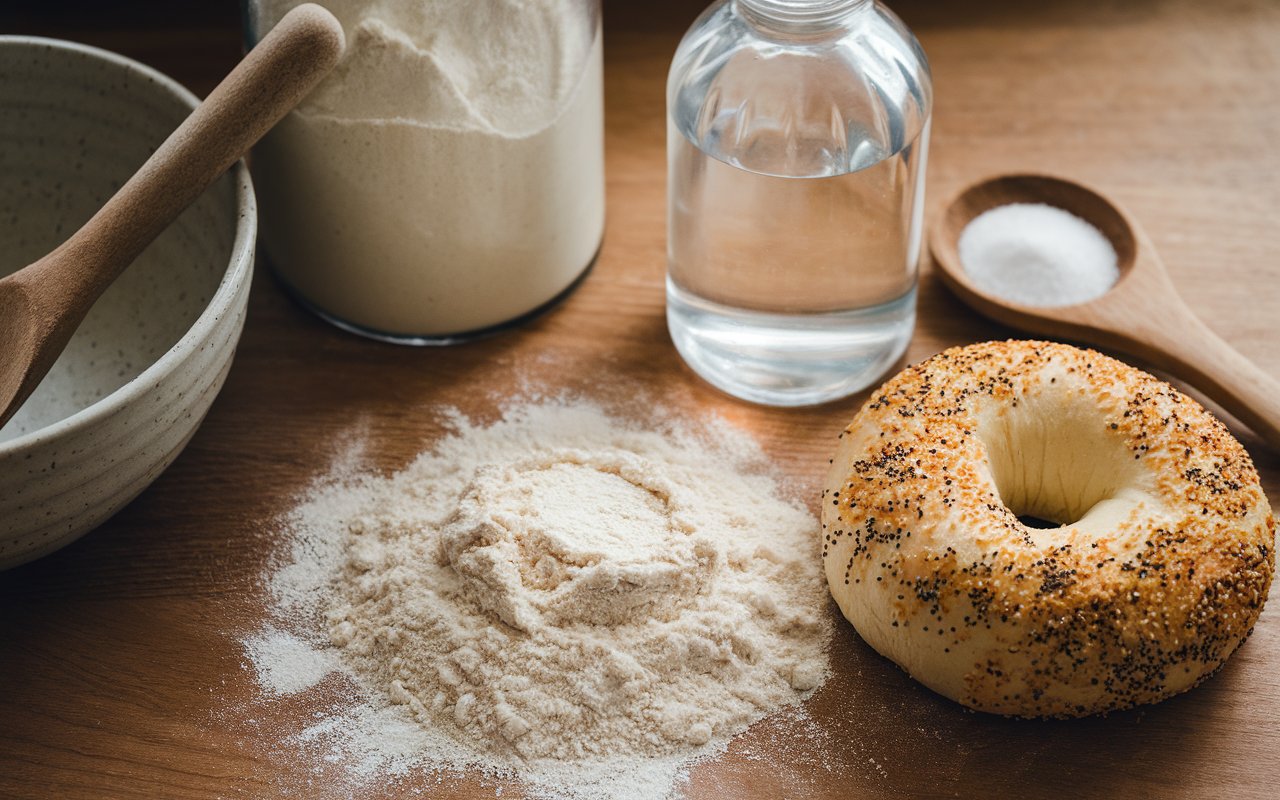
797	135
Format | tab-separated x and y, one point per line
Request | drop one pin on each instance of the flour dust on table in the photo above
578	602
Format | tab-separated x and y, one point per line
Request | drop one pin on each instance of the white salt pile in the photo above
1037	255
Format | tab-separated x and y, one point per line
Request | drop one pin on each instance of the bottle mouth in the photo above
799	14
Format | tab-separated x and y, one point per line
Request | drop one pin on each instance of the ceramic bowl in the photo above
136	380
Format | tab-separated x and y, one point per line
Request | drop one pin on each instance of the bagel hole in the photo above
1037	522
1053	457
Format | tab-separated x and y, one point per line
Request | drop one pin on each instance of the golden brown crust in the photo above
936	573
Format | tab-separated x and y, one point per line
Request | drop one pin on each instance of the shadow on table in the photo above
872	731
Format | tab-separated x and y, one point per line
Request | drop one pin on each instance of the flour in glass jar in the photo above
448	175
581	603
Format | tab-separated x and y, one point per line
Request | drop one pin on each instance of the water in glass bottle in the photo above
797	138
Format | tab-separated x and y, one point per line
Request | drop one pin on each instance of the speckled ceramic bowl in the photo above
137	378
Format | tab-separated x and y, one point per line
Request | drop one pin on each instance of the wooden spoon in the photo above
42	304
1141	315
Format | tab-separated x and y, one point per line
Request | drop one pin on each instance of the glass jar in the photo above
797	138
448	177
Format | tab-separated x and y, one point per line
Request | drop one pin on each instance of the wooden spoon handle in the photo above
262	88
1186	347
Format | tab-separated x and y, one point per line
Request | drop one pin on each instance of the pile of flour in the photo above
562	597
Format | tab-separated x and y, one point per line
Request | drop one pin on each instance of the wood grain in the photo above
119	656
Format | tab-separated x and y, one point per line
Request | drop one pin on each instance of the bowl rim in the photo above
238	269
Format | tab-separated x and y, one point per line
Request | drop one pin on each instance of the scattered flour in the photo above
577	602
285	663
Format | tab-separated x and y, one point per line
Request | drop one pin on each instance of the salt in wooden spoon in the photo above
1141	314
42	304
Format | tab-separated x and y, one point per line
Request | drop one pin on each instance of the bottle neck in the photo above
800	16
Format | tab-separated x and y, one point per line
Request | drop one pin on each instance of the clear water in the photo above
792	289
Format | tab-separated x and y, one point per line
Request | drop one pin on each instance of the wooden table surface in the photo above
121	672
